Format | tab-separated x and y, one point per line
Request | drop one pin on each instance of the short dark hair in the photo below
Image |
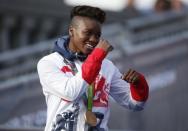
166	5
89	11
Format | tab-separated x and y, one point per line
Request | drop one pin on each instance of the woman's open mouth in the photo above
89	46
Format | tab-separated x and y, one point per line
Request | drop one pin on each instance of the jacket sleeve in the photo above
55	82
128	95
92	65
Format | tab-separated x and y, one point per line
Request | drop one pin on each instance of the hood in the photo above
61	46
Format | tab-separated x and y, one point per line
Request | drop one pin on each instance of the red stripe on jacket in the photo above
65	100
66	69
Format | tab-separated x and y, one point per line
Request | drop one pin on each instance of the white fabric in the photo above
59	86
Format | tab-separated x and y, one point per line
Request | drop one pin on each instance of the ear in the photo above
71	31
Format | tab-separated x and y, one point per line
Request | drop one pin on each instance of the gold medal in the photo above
91	118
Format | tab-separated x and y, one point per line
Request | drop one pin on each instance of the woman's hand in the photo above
91	118
131	76
105	45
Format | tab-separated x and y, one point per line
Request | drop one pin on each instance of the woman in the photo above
77	79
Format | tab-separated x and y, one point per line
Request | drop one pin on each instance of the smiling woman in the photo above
77	79
85	29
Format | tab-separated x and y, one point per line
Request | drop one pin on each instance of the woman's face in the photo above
84	35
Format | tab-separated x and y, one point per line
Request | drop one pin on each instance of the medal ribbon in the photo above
90	97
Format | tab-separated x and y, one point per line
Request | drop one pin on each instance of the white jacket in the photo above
64	92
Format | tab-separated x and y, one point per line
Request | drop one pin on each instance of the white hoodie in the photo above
64	91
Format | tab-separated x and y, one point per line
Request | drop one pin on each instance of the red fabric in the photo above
65	100
100	92
140	91
66	69
92	65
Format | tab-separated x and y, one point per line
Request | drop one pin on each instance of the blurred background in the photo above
150	36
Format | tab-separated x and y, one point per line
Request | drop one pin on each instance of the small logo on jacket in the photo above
67	120
101	92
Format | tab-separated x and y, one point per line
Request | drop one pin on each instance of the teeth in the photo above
90	46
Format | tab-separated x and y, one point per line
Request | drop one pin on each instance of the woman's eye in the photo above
87	33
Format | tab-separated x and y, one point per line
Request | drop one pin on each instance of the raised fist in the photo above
105	45
131	76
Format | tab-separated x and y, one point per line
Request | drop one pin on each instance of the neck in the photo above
72	47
